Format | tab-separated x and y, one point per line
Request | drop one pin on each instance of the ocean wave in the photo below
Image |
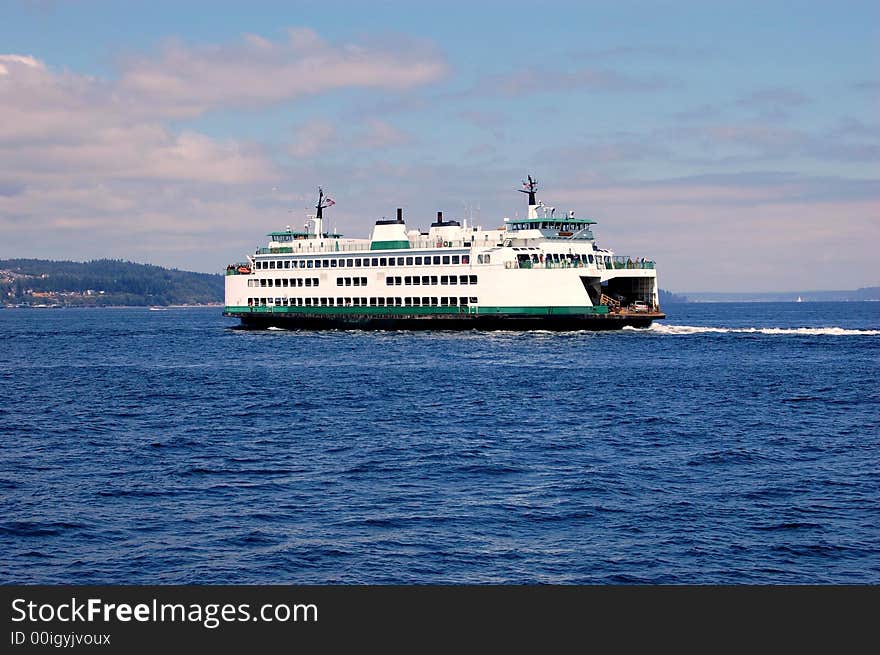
661	328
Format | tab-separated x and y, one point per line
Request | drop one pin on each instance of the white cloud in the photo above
379	134
312	137
96	163
255	72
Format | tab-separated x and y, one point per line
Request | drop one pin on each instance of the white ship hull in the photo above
526	275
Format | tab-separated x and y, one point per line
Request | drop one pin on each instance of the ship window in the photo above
333	263
363	281
309	302
463	279
407	301
453	279
389	281
314	282
339	281
416	279
426	280
434	302
357	262
272	264
465	259
323	302
473	279
418	261
372	302
427	261
398	280
383	261
473	300
397	302
284	282
308	281
417	302
445	259
349	262
302	263
309	263
444	302
287	263
455	259
375	261
400	261
325	263
462	301
407	280
590	257
380	302
409	261
426	301
444	279
434	280
453	301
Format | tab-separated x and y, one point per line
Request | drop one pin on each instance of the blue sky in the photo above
736	143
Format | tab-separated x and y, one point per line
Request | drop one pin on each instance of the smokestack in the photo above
439	217
400	215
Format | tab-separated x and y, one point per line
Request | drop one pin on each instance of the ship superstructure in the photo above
543	271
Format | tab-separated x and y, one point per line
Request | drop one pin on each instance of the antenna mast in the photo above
531	187
323	203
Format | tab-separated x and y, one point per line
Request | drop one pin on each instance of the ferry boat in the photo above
543	272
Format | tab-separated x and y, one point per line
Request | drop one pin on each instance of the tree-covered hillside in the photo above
104	282
667	297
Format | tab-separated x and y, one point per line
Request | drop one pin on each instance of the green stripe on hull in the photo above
421	311
390	245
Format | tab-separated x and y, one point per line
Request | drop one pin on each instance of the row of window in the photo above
570	257
356	262
425	280
351	282
424	301
287	282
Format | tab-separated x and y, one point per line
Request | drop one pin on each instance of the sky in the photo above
735	143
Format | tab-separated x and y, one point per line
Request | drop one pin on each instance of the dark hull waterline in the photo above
263	321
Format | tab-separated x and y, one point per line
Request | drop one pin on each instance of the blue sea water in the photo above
730	443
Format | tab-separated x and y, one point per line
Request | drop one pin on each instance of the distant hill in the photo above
667	297
102	283
864	293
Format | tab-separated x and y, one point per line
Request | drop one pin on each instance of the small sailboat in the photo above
799	299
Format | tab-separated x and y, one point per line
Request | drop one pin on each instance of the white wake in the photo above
661	328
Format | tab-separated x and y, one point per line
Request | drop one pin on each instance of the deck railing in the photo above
624	263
